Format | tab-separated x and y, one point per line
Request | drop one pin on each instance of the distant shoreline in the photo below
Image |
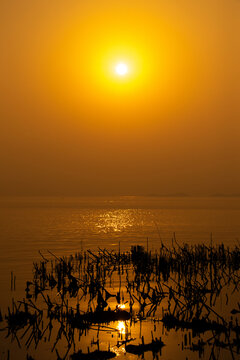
127	196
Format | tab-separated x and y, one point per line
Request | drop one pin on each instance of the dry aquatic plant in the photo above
179	286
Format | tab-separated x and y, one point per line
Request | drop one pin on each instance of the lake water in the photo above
67	225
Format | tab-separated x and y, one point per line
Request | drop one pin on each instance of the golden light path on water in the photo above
115	220
122	306
121	326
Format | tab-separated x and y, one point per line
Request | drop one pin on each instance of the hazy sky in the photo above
71	126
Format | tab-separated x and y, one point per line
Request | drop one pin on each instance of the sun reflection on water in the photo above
115	221
118	350
121	326
122	306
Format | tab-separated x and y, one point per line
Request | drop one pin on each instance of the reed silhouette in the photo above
179	286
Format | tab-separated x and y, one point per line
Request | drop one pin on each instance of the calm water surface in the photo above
67	225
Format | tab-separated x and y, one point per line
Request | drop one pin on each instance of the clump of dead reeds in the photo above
184	281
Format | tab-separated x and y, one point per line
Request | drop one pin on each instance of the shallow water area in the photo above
66	225
136	303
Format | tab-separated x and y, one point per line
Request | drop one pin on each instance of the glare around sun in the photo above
121	69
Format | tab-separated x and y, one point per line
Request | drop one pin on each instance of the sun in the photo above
121	69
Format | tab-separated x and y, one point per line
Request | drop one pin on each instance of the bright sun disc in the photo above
121	69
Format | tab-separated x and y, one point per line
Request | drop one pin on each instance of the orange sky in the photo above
70	126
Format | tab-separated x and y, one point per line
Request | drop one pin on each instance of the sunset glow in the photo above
108	90
121	69
119	132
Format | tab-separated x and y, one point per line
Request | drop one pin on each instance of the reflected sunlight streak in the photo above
121	327
122	306
115	221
